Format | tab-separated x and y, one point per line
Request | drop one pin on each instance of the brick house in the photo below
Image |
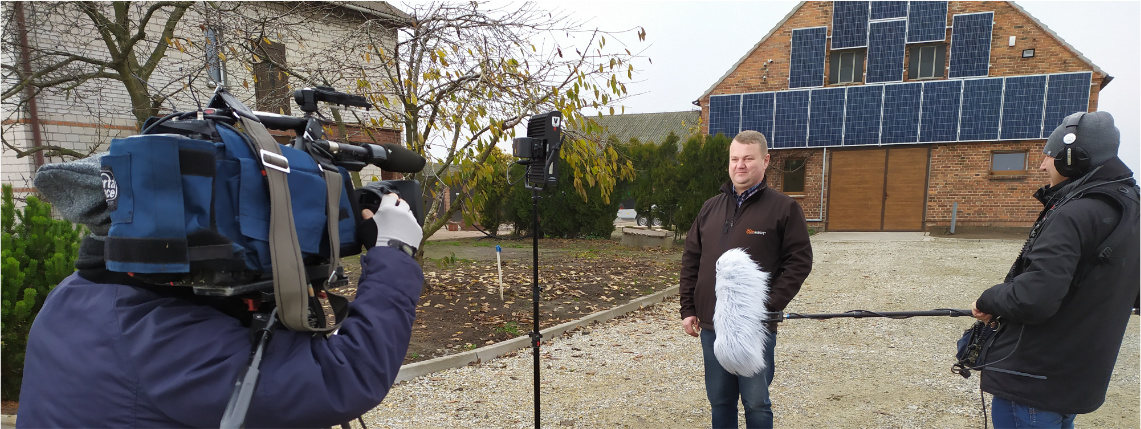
886	115
89	116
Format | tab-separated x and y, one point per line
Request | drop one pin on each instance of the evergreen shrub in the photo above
38	252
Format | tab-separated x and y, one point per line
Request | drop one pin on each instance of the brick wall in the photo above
810	200
959	171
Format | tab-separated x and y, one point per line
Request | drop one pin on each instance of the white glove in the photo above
395	224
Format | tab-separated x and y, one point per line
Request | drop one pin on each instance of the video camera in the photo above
212	205
540	149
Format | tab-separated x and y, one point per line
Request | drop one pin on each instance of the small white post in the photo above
499	264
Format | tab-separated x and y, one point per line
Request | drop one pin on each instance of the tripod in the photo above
535	334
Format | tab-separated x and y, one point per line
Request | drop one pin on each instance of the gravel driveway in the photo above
643	371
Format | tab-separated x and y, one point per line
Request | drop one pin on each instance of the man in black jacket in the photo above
770	226
1064	306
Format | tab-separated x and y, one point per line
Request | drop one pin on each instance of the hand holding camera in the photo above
393	224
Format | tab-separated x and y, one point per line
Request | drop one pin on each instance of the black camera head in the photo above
539	151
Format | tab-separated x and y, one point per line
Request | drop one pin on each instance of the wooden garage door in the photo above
877	189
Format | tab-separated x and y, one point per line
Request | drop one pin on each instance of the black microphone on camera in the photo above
387	156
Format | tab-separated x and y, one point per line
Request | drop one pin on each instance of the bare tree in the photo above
463	76
82	48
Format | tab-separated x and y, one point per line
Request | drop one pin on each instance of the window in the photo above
271	86
847	66
1008	163
793	179
927	61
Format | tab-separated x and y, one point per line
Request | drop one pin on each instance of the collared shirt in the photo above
741	197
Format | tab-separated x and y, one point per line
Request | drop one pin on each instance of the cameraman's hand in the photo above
393	221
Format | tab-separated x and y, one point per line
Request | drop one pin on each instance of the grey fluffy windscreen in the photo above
742	290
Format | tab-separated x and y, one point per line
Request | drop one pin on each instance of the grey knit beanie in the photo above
76	190
1095	133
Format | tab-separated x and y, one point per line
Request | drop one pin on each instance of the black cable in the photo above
982	402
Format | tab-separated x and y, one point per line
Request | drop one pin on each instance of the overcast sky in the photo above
693	43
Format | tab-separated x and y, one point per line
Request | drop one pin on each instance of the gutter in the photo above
29	90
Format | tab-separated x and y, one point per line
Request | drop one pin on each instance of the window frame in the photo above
836	58
800	171
1025	163
937	62
271	84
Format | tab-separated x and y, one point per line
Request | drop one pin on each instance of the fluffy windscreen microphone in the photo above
742	290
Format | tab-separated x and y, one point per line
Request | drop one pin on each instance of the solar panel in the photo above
901	113
1065	94
939	116
970	44
724	114
888	9
806	67
826	117
757	113
791	129
982	109
1022	104
862	115
886	46
926	21
849	24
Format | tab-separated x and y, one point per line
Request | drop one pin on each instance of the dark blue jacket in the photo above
113	355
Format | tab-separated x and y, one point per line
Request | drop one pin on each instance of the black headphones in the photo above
1072	161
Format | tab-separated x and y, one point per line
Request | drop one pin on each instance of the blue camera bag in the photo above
198	211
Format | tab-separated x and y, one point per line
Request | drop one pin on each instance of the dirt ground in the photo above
461	308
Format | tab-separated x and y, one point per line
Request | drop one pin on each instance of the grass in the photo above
510	328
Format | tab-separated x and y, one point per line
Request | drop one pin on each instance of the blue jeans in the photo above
1007	414
723	388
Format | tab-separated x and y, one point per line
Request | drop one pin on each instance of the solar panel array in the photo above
1022	107
791	115
888	9
886	47
939	114
806	67
901	113
757	112
849	24
826	116
862	115
1010	108
1065	94
982	109
926	21
725	115
970	45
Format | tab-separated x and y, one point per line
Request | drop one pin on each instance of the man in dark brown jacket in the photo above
770	226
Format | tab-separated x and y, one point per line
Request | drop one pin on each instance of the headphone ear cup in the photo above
1072	162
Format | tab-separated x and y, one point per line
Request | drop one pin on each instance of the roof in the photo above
780	24
649	127
1096	69
380	9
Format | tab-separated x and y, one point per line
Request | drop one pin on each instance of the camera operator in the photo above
109	351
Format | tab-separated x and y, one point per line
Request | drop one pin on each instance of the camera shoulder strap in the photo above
290	282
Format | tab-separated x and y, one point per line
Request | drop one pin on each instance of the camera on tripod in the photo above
540	149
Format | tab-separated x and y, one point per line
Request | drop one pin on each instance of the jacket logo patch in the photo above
751	231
